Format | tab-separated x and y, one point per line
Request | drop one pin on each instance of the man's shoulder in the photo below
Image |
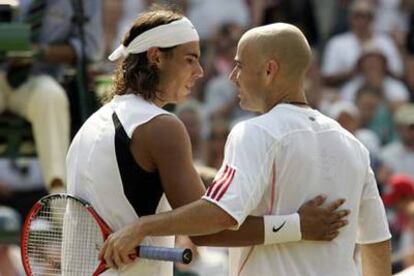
251	129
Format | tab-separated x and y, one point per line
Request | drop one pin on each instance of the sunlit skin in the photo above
269	71
245	75
178	72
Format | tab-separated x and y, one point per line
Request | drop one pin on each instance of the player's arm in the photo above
373	234
198	218
168	151
376	259
315	223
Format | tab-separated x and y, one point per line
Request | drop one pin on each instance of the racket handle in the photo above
178	255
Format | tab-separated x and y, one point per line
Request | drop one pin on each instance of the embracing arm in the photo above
315	223
171	153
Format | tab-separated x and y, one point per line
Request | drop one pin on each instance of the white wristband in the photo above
280	229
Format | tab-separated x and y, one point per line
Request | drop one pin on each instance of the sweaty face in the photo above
246	75
178	72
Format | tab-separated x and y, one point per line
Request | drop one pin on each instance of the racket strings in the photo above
64	239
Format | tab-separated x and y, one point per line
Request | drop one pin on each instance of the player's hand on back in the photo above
319	223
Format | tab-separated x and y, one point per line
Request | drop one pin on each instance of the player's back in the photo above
102	171
312	155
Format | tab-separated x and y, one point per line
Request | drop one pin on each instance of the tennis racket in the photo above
63	234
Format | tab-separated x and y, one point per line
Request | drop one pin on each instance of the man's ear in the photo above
154	56
272	68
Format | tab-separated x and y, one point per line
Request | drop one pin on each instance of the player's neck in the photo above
291	95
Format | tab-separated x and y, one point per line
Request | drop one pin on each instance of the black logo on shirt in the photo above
278	228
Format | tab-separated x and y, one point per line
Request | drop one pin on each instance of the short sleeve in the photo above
244	175
372	221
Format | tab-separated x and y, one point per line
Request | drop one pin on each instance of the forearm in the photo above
272	229
198	218
376	259
251	232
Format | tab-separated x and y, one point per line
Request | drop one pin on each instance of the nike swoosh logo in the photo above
280	227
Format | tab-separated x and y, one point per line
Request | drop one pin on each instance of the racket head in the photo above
62	235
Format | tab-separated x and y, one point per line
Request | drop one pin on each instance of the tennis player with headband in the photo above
131	151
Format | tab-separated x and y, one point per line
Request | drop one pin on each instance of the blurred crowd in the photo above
362	75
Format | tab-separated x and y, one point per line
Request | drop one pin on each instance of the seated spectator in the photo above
374	114
399	155
299	13
346	114
343	50
10	222
392	17
372	68
21	185
207	16
31	88
399	195
190	114
319	96
219	131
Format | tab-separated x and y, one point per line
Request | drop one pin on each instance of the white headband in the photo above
168	35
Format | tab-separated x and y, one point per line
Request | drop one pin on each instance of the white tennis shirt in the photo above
277	161
102	171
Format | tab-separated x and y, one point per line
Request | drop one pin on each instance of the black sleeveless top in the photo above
142	189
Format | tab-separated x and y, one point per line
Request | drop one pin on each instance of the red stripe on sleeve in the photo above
219	179
227	185
222	181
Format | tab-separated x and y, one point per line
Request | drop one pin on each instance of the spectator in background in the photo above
346	114
21	185
398	195
297	12
189	112
207	16
349	116
374	114
30	87
392	17
319	96
399	155
117	17
343	50
372	69
219	131
221	101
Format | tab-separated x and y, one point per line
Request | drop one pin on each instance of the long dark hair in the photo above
135	74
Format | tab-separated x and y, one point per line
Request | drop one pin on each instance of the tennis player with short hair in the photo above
273	163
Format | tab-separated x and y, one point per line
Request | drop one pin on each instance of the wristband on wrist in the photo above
281	229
